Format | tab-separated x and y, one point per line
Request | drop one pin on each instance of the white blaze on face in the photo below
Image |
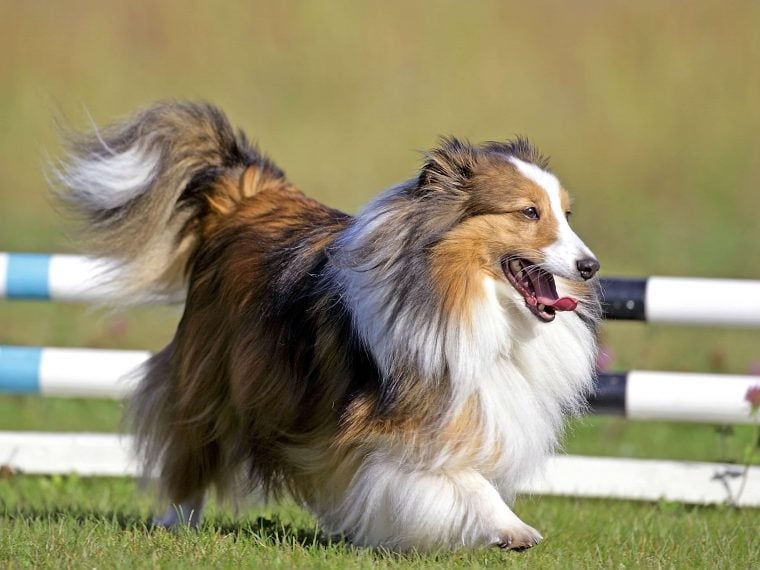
562	256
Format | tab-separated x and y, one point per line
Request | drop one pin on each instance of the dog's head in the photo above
512	222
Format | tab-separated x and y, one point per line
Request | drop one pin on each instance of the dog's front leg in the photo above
392	505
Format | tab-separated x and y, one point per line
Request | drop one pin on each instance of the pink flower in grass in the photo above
117	327
753	397
604	358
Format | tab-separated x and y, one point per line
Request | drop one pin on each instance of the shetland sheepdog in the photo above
398	372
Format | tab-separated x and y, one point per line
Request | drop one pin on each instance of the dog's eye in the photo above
530	213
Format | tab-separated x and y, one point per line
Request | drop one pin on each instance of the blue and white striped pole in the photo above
638	395
55	277
70	372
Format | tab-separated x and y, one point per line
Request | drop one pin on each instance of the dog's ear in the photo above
448	166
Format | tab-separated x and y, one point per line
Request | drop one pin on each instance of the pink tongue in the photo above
546	294
562	304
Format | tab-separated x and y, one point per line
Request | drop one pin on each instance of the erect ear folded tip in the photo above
451	162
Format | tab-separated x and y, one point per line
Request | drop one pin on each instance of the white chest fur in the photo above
538	374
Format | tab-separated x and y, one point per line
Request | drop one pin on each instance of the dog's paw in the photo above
519	537
163	522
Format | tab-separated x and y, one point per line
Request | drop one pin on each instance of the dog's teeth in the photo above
541	306
515	266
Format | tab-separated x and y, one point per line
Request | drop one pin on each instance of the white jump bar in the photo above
91	454
688	397
88	454
648	480
699	301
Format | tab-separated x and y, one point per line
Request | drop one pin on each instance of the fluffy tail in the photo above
149	189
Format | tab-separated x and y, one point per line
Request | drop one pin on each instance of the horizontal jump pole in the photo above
674	396
675	300
55	277
69	372
638	395
100	454
683	300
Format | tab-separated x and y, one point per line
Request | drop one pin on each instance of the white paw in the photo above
518	537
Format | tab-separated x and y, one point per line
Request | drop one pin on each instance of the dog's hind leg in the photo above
188	471
185	476
185	455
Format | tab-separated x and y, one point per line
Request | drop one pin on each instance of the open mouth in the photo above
537	288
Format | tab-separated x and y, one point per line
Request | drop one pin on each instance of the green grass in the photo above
649	110
65	522
102	523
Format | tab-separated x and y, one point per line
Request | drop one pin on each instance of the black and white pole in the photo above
674	396
683	300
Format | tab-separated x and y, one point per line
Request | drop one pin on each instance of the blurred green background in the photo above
650	111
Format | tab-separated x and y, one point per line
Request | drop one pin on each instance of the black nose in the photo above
587	267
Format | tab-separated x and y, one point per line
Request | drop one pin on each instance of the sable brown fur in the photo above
254	382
